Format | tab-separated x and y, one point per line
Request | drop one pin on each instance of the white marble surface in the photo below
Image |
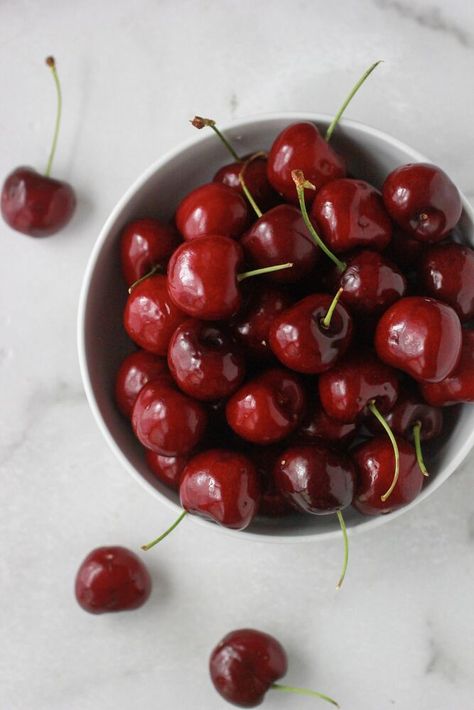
399	635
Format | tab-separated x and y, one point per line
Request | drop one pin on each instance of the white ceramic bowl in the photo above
371	155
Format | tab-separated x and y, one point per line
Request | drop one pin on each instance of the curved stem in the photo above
346	549
244	187
326	321
419	452
151	544
263	270
303	691
52	65
378	415
200	122
301	185
152	272
349	98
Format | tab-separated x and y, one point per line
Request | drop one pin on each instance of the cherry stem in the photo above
419	452
302	184
384	423
200	122
263	270
326	321
303	691
151	544
244	187
346	548
349	98
52	65
152	271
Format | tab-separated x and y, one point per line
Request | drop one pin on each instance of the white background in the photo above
399	635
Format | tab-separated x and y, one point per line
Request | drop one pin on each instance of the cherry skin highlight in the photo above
136	370
459	385
144	245
213	208
447	273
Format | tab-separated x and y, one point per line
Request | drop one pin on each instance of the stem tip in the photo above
50	61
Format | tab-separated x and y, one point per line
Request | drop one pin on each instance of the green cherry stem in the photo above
419	453
200	122
349	98
151	544
303	691
383	422
246	191
326	321
346	549
152	271
263	270
52	65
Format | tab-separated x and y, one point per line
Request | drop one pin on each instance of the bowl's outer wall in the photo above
370	154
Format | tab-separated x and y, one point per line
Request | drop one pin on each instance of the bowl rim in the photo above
240	124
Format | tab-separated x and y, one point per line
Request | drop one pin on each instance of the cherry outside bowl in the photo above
371	155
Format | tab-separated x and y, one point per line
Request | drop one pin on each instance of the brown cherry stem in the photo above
152	271
200	122
246	191
263	270
419	452
326	321
303	691
151	544
383	422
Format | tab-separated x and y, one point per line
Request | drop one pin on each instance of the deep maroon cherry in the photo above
205	361
422	200
459	385
144	245
213	208
272	503
222	486
112	579
447	273
409	410
303	342
268	408
255	178
349	214
374	462
404	250
166	420
167	469
421	336
136	370
318	426
150	317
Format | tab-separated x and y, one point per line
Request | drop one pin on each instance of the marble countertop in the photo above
399	635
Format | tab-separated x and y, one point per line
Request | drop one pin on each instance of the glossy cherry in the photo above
447	273
272	503
166	420
205	361
459	385
150	317
317	426
374	461
136	370
167	469
421	336
144	245
409	410
112	579
256	180
422	200
213	208
268	408
303	342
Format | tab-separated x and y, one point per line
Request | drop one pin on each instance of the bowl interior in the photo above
371	155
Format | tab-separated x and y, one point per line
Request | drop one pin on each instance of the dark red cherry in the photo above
459	385
300	339
404	251
35	204
347	390
422	200
349	214
272	502
421	336
145	244
410	409
205	361
278	237
112	579
268	408
447	273
134	373
213	208
222	486
318	426
167	469
150	317
166	420
302	147
374	461
255	178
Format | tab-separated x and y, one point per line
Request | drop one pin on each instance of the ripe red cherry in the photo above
222	486
150	317
447	273
349	214
255	178
374	462
136	370
268	408
302	147
318	426
459	385
205	361
422	200
167	469
421	336
300	339
213	208
112	579
145	244
272	502
409	410
166	420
